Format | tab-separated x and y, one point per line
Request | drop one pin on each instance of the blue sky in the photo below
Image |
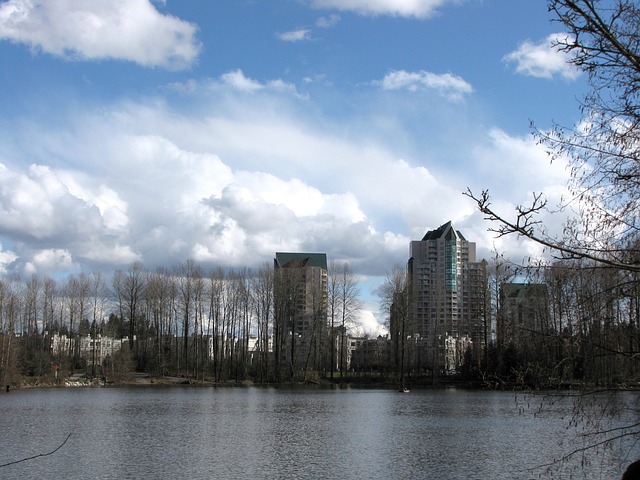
158	131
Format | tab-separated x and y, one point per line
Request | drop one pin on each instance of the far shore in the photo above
144	379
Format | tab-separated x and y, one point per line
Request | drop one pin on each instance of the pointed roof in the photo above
444	231
284	259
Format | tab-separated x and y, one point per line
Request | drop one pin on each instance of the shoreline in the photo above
147	380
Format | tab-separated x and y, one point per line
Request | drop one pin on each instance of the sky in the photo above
157	131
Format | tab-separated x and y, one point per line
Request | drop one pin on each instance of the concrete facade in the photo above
447	305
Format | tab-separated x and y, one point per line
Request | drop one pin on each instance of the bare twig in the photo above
37	456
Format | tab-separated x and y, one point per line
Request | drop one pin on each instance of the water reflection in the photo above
257	432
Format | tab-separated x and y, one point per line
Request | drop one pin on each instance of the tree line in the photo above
585	329
580	327
218	324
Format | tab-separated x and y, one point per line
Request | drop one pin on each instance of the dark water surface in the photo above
254	432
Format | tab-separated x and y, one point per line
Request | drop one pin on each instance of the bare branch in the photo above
37	456
524	225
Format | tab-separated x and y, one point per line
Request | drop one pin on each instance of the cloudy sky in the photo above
161	131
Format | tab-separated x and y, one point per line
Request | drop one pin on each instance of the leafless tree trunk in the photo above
394	296
262	292
186	278
349	307
216	308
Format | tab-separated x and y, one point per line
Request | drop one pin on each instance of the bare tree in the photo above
314	331
9	349
288	295
349	306
31	311
76	291
159	297
200	352
333	301
98	294
262	301
216	292
187	275
394	296
48	302
128	289
603	40
245	327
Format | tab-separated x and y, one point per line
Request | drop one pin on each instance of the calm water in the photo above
253	432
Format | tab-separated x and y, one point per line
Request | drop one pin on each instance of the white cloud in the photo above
276	185
38	205
55	223
542	59
523	165
240	177
130	30
50	260
237	80
328	21
7	257
448	85
402	8
367	325
295	35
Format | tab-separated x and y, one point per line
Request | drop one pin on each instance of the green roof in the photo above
446	229
304	259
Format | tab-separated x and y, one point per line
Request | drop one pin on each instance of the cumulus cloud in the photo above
53	227
275	182
542	59
131	30
7	257
448	85
234	181
37	204
295	35
401	8
368	325
50	260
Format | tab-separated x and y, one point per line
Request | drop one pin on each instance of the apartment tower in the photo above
447	298
300	301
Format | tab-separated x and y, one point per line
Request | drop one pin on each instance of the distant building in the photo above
93	350
523	318
251	344
300	299
368	354
447	303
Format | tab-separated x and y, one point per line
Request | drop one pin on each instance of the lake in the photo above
273	432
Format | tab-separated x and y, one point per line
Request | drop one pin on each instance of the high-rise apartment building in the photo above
300	300
447	297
